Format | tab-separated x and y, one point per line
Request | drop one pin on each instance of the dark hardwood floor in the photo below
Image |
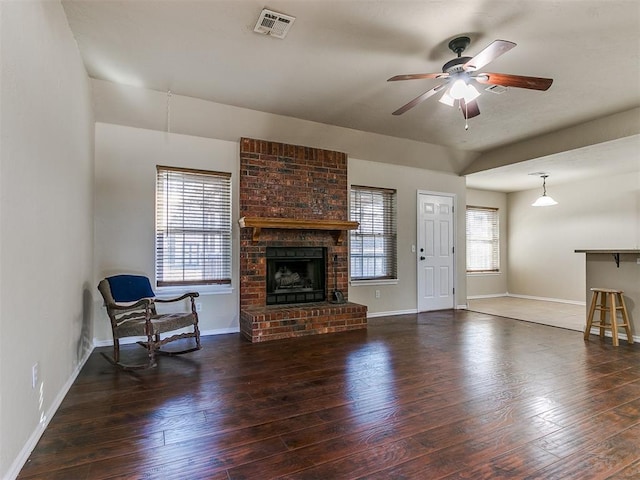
439	395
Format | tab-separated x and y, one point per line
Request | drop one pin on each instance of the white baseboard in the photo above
546	299
220	331
621	335
33	439
391	313
130	340
492	295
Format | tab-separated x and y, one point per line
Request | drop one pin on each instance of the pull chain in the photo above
466	116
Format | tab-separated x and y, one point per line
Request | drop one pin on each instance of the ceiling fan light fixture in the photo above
471	94
447	99
458	89
544	200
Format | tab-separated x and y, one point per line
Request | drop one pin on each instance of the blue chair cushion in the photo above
130	288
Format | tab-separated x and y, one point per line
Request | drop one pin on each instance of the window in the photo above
373	244
193	227
483	240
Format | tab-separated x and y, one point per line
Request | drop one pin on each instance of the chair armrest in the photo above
142	303
191	295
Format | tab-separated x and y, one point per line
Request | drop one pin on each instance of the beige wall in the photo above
46	244
143	108
591	214
124	215
125	182
141	147
407	181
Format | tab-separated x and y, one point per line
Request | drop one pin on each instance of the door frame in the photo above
454	196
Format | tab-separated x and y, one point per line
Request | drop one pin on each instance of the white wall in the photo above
407	181
491	284
125	183
598	213
46	208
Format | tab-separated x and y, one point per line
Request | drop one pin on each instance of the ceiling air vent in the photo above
273	23
498	89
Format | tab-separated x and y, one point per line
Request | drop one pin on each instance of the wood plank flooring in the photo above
452	395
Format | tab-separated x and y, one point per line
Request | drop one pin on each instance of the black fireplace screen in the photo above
295	275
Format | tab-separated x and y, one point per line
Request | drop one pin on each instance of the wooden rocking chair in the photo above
131	306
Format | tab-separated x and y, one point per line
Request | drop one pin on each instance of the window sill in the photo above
201	289
482	274
357	283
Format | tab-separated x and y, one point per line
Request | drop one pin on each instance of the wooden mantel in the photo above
337	227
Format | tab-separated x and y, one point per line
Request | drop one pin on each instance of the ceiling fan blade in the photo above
489	54
419	99
519	81
418	76
470	109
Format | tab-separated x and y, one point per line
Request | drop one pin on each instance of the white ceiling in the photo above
333	66
571	166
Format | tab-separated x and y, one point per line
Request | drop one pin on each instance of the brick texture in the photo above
289	181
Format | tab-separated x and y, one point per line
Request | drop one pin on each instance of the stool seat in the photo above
608	301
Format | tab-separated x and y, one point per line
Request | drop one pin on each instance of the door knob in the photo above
422	258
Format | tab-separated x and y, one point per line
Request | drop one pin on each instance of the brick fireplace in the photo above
293	196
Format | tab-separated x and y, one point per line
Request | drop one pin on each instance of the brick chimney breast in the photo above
278	180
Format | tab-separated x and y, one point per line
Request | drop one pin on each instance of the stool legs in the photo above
608	303
603	312
592	311
613	314
625	318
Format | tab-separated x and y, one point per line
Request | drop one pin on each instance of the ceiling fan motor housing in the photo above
455	65
459	45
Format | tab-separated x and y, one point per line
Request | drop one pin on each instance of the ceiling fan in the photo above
462	72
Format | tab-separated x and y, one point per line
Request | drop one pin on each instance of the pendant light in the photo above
544	200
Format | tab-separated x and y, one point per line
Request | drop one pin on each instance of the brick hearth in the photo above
260	324
286	181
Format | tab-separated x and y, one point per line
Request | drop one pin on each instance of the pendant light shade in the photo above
544	200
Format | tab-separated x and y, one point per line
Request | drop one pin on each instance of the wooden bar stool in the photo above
610	302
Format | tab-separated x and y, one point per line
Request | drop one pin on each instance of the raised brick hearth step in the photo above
259	324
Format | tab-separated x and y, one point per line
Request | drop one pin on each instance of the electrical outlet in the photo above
34	375
198	307
377	293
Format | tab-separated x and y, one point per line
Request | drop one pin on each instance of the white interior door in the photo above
435	252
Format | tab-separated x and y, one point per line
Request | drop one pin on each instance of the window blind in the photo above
483	239
372	246
193	227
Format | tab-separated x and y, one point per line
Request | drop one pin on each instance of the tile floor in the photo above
556	314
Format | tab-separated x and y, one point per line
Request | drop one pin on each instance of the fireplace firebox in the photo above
295	275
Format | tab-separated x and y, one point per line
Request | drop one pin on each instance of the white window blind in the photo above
373	244
193	227
483	239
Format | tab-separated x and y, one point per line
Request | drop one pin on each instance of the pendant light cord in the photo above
168	111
